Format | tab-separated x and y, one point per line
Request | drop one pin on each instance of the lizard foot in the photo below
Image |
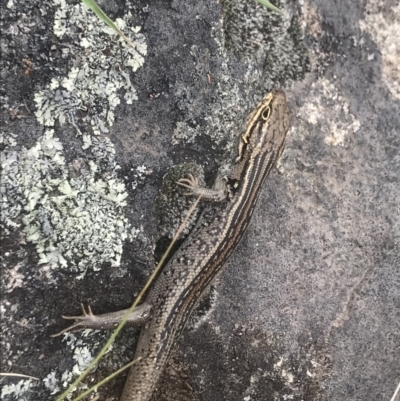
208	194
107	321
191	183
81	322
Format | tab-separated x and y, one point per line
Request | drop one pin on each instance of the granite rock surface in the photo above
308	307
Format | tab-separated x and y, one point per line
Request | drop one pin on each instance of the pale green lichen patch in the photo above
18	390
100	65
84	347
73	214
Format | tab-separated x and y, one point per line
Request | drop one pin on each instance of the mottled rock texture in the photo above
308	307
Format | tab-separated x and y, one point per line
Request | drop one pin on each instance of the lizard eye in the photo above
266	113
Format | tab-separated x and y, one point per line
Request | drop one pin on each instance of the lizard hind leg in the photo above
106	321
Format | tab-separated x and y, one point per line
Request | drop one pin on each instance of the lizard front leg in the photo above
218	193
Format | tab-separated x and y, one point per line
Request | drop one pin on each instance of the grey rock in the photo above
308	307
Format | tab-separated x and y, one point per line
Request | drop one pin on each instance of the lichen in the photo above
11	196
83	356
73	214
90	92
66	209
19	390
138	175
328	101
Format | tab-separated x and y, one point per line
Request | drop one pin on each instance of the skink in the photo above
205	251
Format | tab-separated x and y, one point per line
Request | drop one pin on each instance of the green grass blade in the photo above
104	381
104	17
267	4
100	13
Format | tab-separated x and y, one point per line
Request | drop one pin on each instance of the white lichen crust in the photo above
73	214
19	390
84	347
100	63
